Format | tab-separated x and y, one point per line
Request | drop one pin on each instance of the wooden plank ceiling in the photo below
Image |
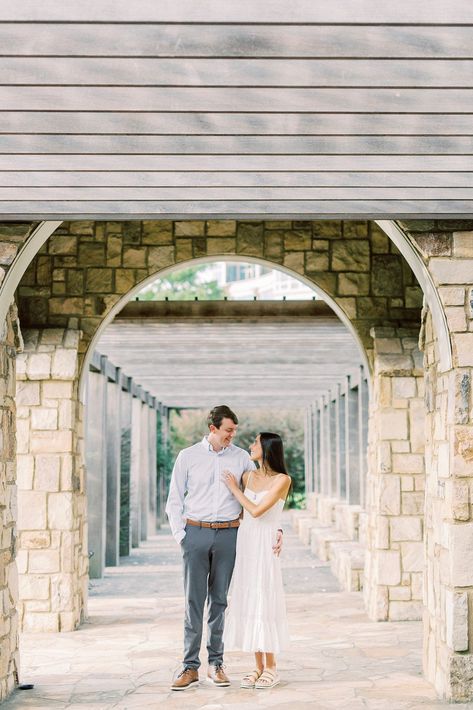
184	109
245	362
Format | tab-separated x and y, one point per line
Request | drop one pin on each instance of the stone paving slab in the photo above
125	655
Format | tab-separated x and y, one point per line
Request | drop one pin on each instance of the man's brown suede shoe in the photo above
216	675
187	678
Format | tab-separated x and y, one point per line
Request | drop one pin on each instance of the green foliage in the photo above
183	285
188	427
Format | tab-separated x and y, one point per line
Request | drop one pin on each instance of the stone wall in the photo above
9	656
52	558
447	250
396	479
85	268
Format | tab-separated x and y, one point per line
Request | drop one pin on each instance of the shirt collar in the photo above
208	446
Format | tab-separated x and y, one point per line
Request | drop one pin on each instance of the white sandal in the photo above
267	679
250	679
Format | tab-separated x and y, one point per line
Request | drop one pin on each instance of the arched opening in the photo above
328	412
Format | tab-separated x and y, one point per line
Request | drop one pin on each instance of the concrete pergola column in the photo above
144	470
96	446
125	465
113	464
135	471
352	443
153	467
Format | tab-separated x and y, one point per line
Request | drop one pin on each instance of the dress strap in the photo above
248	481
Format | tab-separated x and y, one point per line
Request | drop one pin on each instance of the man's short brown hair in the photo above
217	414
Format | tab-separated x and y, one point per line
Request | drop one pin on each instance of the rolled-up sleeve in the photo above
175	501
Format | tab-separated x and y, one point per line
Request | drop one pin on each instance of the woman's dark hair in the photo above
273	452
217	414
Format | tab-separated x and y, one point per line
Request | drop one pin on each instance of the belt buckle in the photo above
213	525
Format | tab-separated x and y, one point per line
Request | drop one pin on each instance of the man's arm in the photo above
175	501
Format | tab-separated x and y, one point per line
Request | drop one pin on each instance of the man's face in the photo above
224	435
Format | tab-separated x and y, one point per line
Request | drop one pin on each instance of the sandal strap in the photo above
267	675
253	675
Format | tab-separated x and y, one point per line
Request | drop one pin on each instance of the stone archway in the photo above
82	275
438	253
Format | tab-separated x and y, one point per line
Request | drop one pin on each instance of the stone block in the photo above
412	556
64	365
39	539
250	238
451	271
404	387
316	261
389	495
406	528
456	608
31	510
405	611
460	546
60	511
452	295
327	229
41	622
392	424
353	284
47	472
157	232
400	594
43	561
221	227
46	442
101	280
412	503
386	275
33	586
65	413
24	472
57	390
221	245
44	418
297	239
463	244
27	393
159	258
191	228
389	567
351	255
68	621
38	366
408	463
456	319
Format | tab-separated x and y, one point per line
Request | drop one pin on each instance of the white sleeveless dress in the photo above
256	617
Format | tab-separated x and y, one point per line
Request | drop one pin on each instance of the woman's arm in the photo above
279	489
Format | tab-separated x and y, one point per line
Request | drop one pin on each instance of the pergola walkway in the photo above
124	657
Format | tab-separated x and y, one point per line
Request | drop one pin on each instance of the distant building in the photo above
243	281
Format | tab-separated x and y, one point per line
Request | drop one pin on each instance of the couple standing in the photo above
211	482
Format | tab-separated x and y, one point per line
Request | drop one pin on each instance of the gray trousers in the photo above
209	557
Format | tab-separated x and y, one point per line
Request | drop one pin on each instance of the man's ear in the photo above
212	428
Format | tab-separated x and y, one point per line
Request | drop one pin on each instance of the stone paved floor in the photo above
124	656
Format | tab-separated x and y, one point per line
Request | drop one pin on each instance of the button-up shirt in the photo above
197	490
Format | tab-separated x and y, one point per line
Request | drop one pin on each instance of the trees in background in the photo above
189	426
183	285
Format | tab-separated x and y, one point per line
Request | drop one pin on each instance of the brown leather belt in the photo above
215	526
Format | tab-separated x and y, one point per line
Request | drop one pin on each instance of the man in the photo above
204	517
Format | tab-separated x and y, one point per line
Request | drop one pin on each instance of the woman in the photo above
256	620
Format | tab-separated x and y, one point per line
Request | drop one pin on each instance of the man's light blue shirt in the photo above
197	491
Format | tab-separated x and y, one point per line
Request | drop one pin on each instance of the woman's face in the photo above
256	450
